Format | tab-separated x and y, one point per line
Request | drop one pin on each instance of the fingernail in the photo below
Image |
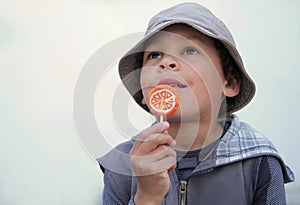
173	143
166	124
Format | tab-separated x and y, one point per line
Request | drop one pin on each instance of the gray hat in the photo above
201	19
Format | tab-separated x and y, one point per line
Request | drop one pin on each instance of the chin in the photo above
177	118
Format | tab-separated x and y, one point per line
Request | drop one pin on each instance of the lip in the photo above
172	82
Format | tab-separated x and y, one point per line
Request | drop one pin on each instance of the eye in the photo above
191	51
154	55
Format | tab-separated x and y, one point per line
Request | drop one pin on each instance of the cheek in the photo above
145	81
144	77
207	85
210	76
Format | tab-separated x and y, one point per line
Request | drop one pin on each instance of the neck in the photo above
195	135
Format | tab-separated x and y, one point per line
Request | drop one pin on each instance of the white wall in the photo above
44	45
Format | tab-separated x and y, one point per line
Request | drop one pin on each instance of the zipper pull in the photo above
182	193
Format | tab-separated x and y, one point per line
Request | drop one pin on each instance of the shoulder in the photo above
117	159
269	182
241	141
117	174
125	147
241	138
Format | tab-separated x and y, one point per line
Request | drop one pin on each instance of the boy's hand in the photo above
152	158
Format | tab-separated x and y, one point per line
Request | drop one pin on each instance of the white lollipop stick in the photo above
161	118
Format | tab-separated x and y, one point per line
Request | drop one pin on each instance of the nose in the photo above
169	62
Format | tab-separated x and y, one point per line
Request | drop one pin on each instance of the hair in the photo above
231	71
230	68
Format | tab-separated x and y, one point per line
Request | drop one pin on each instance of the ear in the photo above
231	88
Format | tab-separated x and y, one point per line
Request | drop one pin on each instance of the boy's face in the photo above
188	61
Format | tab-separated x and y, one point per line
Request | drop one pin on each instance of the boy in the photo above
203	154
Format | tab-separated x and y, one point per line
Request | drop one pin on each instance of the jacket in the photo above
227	176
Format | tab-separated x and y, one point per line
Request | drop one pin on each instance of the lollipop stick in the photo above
161	118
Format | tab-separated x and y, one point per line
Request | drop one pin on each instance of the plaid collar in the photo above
241	142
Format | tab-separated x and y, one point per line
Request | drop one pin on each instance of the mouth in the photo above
172	82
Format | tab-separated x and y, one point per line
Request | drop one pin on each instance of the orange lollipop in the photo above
163	100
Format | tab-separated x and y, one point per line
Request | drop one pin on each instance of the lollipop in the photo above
163	101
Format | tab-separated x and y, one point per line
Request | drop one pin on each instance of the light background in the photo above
45	44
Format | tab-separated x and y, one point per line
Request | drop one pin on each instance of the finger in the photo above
154	141
160	153
165	164
163	151
155	128
172	168
146	164
159	127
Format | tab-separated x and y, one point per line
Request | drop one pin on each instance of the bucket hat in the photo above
204	21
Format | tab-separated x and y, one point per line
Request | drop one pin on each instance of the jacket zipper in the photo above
182	193
183	186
